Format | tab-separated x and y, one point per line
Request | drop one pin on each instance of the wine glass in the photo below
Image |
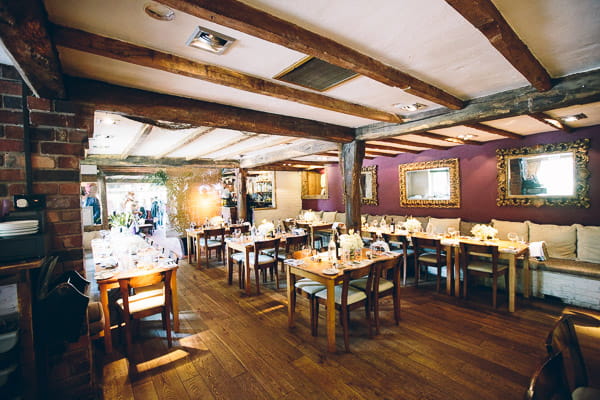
513	237
452	231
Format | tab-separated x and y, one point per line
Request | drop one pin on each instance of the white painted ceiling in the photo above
427	39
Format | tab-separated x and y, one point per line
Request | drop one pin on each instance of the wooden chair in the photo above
472	263
428	252
260	261
348	298
212	240
147	302
291	245
549	381
288	225
563	339
383	287
401	242
307	288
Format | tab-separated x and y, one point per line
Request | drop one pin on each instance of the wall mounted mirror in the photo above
368	185
314	185
550	174
430	184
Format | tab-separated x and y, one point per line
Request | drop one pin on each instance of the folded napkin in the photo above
449	242
538	250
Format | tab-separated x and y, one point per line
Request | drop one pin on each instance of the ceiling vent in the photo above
208	40
316	74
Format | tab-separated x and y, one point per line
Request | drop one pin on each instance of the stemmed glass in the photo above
452	232
513	237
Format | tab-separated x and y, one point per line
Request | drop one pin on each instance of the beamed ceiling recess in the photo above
422	75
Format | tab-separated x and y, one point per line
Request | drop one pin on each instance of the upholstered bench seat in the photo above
580	268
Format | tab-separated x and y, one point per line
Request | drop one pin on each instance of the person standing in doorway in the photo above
90	200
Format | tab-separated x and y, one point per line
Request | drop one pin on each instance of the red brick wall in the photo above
58	134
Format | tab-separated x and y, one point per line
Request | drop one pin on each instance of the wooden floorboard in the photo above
233	346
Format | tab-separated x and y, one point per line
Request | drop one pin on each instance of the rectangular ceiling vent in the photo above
316	74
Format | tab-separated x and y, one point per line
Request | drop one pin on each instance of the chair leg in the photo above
128	344
439	277
344	317
257	276
314	315
376	314
417	273
276	277
506	285
167	322
396	301
494	290
465	282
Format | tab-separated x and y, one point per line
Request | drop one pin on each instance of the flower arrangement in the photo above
265	228
309	216
121	220
351	241
483	232
412	225
216	221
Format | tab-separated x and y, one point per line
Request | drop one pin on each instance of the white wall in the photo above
288	199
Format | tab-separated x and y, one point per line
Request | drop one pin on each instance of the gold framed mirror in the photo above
314	185
368	185
544	175
430	184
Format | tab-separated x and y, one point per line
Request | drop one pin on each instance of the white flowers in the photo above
265	228
412	225
351	241
483	232
309	216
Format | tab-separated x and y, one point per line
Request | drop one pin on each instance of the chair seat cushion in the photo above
430	258
580	268
262	258
483	266
354	295
309	286
142	302
409	252
209	243
361	284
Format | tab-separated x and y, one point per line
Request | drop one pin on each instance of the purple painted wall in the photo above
478	184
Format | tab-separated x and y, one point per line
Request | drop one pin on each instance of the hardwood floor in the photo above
237	347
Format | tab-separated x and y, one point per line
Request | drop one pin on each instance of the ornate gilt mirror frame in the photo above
314	185
454	183
370	171
580	198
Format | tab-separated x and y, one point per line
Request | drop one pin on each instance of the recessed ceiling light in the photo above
576	117
208	40
410	107
159	12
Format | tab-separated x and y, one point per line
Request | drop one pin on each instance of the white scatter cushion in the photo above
329	216
441	225
505	227
560	239
588	243
371	218
340	217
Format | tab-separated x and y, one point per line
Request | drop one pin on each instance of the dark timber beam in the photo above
141	103
118	50
416	144
495	131
484	15
551	121
152	162
242	17
298	149
575	89
399	150
437	136
351	159
23	33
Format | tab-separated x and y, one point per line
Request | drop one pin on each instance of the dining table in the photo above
314	226
317	268
109	268
193	235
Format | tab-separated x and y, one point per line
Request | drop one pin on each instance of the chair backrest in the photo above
218	233
126	284
549	381
260	245
420	244
391	237
381	267
288	224
468	249
563	339
295	243
355	273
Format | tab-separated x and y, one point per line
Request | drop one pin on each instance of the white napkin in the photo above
538	250
449	242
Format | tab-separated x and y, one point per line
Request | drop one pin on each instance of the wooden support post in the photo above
351	158
103	200
240	187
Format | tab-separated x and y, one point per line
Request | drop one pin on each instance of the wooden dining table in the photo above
194	235
313	269
112	281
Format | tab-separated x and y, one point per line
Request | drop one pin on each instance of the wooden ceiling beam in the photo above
415	144
437	136
223	145
185	141
391	148
549	120
495	131
244	18
153	162
23	33
484	15
141	103
268	142
119	50
380	153
138	139
297	149
582	88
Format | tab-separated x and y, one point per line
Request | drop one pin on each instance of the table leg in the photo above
449	268
175	302
404	257
189	248
330	316
247	272
512	280
105	309
456	251
229	266
526	275
289	278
